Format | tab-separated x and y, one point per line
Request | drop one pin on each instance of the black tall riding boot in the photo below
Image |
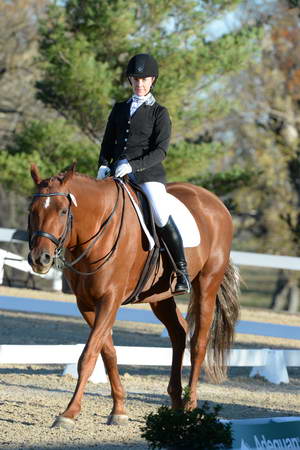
171	236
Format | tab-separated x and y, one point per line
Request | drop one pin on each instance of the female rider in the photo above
135	142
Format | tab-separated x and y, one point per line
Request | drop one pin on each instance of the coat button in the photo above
125	148
125	139
127	131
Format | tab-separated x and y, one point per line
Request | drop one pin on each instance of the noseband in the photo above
59	242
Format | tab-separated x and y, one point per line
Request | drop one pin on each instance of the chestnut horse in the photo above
95	226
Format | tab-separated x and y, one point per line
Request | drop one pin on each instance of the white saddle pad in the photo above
185	222
182	217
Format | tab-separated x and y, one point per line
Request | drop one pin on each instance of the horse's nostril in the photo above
45	259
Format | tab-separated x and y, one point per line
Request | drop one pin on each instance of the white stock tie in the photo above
137	101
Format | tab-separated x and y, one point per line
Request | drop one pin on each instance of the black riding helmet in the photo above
142	65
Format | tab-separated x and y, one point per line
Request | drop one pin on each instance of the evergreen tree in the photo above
267	137
84	50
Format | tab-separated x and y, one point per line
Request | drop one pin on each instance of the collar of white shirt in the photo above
147	99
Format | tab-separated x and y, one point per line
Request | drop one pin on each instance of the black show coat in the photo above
142	139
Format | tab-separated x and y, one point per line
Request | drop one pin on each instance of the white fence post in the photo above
98	375
274	369
1	266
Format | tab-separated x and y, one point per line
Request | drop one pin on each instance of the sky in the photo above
249	9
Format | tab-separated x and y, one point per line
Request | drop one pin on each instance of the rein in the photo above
59	260
104	259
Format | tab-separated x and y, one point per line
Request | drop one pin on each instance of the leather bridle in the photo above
59	242
59	260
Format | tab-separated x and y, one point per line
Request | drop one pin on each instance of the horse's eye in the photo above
63	211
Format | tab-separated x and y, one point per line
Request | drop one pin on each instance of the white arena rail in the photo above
264	260
273	363
12	235
274	262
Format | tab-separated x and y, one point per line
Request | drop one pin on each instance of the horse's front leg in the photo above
118	415
104	319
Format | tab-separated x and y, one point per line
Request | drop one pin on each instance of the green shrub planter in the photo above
199	429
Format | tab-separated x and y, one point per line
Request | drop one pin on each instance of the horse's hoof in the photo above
63	422
117	419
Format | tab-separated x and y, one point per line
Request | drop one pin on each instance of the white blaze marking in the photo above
47	202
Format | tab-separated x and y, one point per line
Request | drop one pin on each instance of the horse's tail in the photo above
222	329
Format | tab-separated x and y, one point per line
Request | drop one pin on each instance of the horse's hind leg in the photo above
169	314
201	311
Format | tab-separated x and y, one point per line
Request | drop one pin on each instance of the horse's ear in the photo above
69	173
35	174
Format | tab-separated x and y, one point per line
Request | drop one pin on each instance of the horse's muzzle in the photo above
41	261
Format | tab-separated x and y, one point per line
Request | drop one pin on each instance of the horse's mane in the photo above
47	182
84	175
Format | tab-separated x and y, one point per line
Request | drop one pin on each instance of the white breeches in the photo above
157	194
